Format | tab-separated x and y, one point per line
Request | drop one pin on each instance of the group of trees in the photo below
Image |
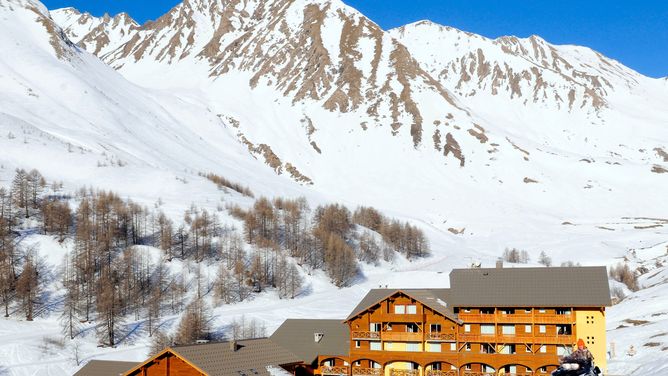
108	278
516	256
21	272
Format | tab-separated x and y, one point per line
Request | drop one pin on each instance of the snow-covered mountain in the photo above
96	34
485	144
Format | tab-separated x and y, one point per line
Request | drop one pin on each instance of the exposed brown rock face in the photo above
452	146
287	44
57	38
529	70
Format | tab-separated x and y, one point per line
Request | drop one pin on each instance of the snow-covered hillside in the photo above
484	144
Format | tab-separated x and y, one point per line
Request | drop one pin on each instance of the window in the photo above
467	328
507	349
375	346
527	348
328	363
467	310
542	369
487	329
435	347
388	345
542	329
563	311
486	348
527	328
411	309
562	350
357	363
412	328
400	309
543	349
564	329
507	311
468	367
358	344
374	327
453	347
388	327
508	329
435	328
412	347
468	347
436	366
542	310
375	365
486	311
527	310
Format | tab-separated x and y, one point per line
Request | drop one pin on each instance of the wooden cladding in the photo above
518	318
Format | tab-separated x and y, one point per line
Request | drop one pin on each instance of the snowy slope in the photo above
213	85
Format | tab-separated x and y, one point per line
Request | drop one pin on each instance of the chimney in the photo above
499	264
233	345
318	337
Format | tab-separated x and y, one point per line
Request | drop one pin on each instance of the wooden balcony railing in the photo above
402	336
519	318
544	318
405	372
435	336
517	338
399	317
359	371
471	373
434	372
365	335
334	370
477	318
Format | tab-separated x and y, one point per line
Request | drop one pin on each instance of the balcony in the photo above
544	318
365	335
561	339
477	318
477	338
402	336
359	371
471	373
405	372
521	318
399	317
442	337
334	370
434	372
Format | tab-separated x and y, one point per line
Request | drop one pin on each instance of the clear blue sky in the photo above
633	32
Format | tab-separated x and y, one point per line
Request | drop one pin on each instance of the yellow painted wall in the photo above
590	326
398	346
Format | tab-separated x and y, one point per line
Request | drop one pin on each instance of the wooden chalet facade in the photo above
499	322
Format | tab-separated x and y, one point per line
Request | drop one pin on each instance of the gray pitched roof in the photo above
297	336
251	358
530	287
436	299
105	368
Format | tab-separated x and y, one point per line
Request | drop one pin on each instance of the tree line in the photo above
106	279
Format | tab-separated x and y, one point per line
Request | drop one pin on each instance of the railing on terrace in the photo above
435	336
365	335
359	371
405	372
519	318
334	370
434	372
564	339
